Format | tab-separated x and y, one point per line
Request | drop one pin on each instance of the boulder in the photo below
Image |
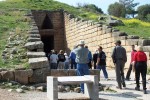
34	45
22	76
7	75
39	75
36	63
35	54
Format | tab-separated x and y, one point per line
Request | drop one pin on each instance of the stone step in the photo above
34	45
35	54
34	35
36	63
31	39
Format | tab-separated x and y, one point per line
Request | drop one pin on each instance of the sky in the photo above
103	4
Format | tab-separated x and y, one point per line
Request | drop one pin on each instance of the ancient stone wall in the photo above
96	34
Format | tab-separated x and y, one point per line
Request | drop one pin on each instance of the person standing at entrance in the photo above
72	57
53	60
119	58
131	63
140	65
101	62
61	60
82	60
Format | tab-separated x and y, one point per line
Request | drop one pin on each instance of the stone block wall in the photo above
96	34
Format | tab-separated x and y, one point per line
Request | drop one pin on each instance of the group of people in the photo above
138	64
81	59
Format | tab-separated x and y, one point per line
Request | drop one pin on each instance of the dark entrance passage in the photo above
48	41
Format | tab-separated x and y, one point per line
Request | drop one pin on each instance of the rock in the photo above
22	76
35	54
2	69
40	88
106	88
33	39
32	88
114	22
61	88
133	37
14	51
67	88
39	75
19	90
10	90
77	89
24	87
14	83
34	45
7	75
36	63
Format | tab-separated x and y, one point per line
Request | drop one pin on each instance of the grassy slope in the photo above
9	16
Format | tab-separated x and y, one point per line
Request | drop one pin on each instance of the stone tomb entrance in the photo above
51	28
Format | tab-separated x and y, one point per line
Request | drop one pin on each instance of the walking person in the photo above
81	60
140	66
61	60
101	62
119	58
53	60
131	63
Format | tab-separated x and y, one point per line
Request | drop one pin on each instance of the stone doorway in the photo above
48	41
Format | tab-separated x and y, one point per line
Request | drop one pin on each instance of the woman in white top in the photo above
66	61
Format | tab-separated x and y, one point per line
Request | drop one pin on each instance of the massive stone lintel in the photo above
35	54
36	63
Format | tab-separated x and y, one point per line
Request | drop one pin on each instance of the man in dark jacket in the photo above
119	58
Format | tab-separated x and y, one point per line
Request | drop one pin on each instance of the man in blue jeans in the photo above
82	60
101	62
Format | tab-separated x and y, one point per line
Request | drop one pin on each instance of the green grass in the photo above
135	27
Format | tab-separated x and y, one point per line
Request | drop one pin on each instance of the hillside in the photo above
14	24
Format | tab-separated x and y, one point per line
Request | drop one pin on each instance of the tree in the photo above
129	6
116	9
143	12
93	8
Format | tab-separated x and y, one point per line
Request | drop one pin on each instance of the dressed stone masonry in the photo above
91	89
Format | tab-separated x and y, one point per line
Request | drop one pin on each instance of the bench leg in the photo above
52	88
91	90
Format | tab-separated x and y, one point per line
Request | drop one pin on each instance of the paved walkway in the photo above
127	93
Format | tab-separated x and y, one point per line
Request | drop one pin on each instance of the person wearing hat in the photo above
82	60
119	58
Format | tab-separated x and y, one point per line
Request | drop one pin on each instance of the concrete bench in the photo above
91	89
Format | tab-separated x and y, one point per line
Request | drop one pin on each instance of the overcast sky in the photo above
103	4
